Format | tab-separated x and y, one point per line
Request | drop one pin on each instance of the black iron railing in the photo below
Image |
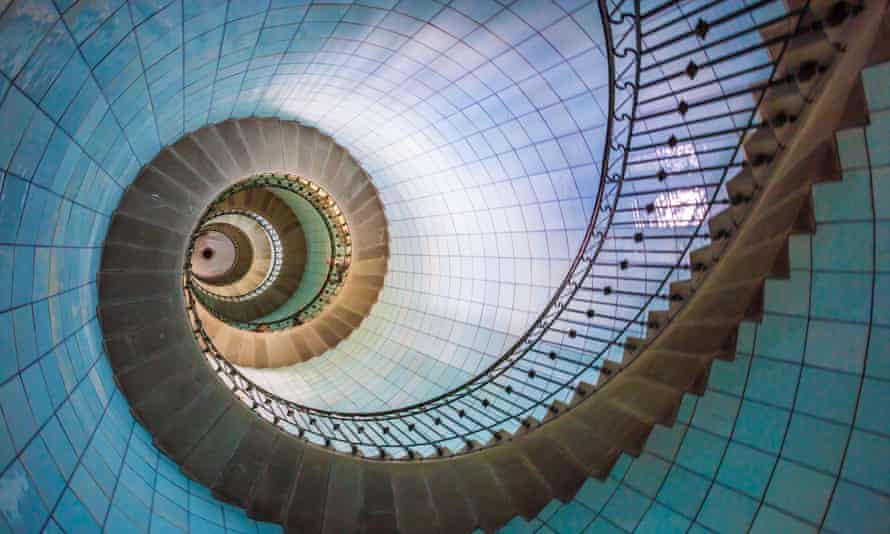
339	253
686	83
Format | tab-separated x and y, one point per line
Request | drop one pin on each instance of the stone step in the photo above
413	505
343	505
648	400
563	475
593	449
656	320
126	230
678	370
528	491
211	454
306	508
481	487
632	347
272	489
613	427
454	509
173	167
184	429
246	463
378	512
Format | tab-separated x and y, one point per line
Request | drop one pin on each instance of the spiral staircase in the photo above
730	140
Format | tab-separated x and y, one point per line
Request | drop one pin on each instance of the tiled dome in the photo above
482	126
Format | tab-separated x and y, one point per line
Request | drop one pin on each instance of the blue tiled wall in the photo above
91	89
72	455
794	434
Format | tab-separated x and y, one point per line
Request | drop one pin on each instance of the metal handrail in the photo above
666	158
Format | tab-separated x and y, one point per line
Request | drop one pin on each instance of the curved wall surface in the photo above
481	126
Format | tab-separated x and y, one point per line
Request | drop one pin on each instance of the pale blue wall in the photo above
90	91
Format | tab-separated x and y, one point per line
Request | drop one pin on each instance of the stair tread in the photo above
305	511
378	509
610	428
273	486
173	167
527	489
563	474
210	455
454	511
345	495
482	488
653	401
596	453
412	500
182	430
247	461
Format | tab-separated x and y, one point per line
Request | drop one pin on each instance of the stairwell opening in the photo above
309	240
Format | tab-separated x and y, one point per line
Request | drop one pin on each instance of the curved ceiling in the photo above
480	124
87	101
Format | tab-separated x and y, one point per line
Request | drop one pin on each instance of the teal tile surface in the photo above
91	90
772	520
874	406
851	148
761	426
876	79
878	138
683	491
843	247
842	296
858	510
727	511
800	490
746	470
781	337
867	461
826	394
878	353
573	517
626	508
881	192
646	474
788	296
836	345
701	452
847	200
661	519
816	442
773	382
